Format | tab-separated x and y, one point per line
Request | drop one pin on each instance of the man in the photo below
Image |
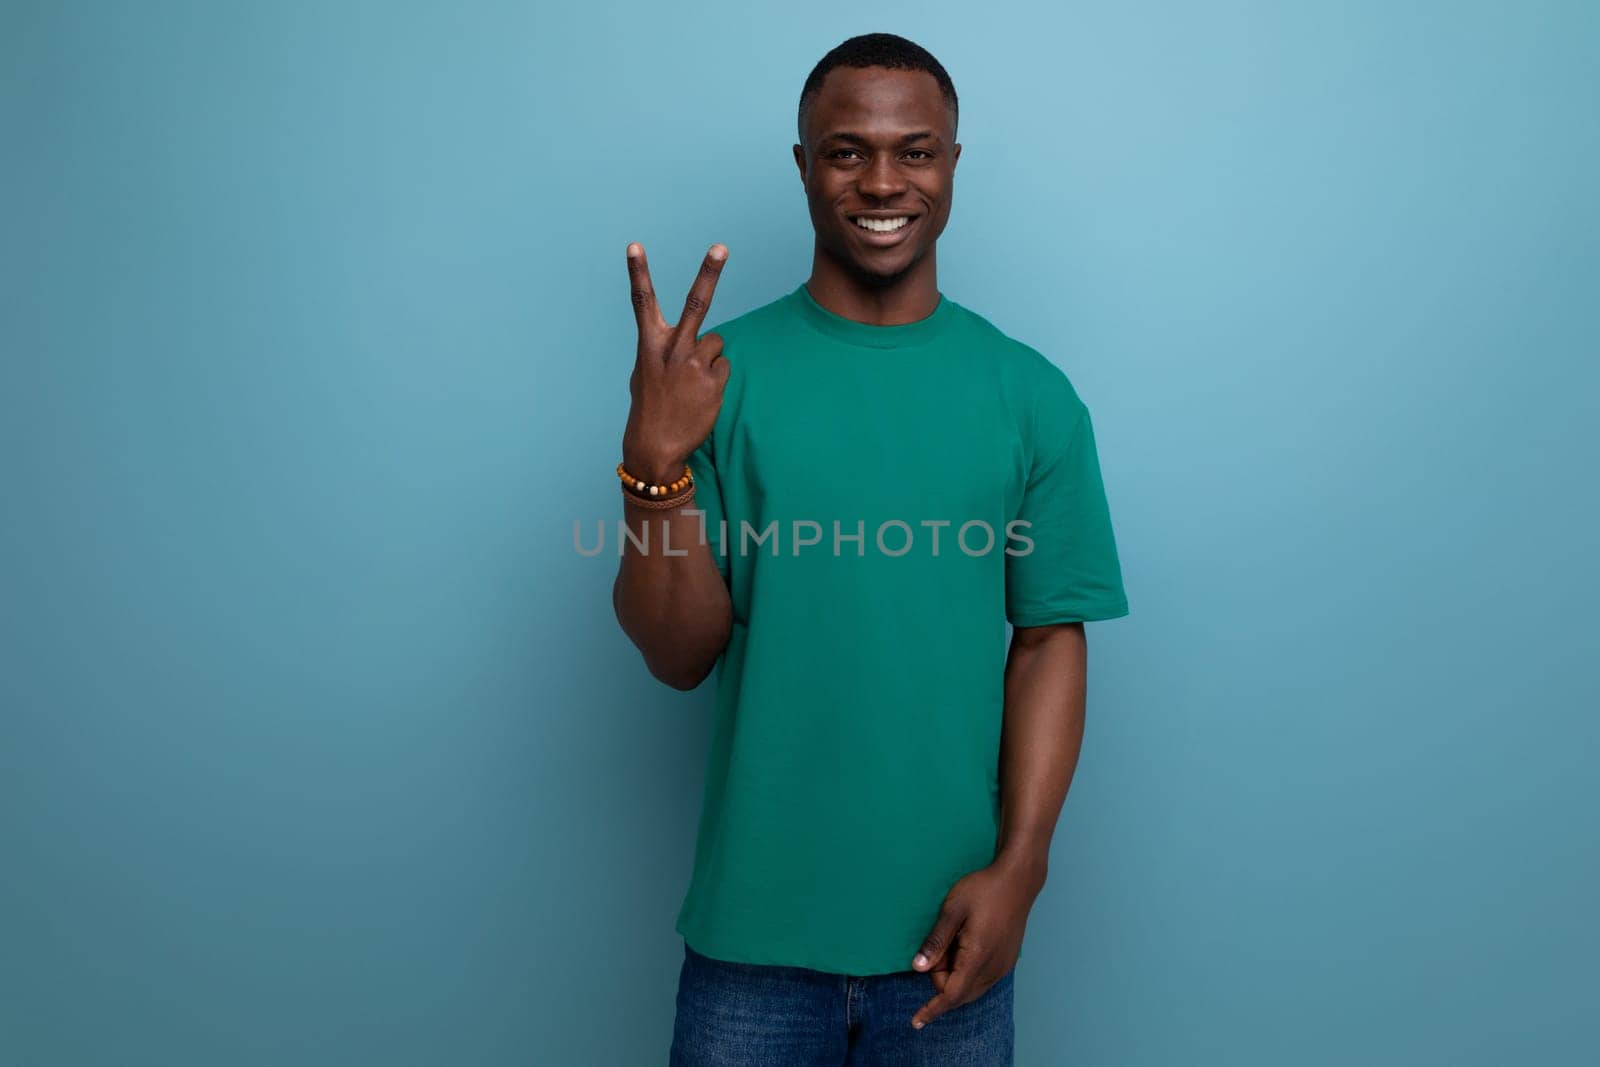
838	499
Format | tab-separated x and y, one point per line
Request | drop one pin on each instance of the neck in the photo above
876	301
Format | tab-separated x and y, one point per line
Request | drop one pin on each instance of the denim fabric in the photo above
751	1015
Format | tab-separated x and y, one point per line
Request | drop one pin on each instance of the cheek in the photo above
821	201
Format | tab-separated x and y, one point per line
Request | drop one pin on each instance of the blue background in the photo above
320	742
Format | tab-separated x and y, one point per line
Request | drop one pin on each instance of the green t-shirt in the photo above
867	476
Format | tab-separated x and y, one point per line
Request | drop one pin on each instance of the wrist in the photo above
1027	864
654	468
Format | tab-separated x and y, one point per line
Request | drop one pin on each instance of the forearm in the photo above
1040	740
674	607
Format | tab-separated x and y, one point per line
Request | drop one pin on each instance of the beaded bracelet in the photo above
644	488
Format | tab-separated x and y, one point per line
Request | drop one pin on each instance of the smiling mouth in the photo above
889	225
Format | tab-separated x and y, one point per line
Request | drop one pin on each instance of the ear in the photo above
955	155
800	161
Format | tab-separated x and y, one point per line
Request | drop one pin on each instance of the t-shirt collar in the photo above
867	335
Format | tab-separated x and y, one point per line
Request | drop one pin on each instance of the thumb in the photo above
940	938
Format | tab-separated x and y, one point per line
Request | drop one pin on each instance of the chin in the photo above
887	270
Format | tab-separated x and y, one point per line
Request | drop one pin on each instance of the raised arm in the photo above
674	607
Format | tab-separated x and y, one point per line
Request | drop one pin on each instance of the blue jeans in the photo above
752	1015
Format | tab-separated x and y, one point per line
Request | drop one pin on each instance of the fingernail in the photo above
719	252
916	1024
633	250
920	961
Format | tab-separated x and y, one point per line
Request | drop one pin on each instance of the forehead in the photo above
876	101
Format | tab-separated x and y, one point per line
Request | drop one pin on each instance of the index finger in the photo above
941	1003
952	994
642	292
699	299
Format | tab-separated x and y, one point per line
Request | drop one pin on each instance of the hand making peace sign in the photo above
678	376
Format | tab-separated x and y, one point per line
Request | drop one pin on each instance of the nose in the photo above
882	179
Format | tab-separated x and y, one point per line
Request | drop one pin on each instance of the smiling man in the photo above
837	500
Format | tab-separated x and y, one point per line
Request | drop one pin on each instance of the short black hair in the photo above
877	50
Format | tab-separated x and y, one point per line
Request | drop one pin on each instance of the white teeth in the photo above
883	225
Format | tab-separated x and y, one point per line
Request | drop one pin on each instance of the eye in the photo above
923	152
836	153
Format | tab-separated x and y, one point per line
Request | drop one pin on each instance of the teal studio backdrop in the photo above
321	745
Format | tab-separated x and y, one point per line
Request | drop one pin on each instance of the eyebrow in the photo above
850	135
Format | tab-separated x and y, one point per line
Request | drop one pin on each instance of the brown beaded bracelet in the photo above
661	503
644	488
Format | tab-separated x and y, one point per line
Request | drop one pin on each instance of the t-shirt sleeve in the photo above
1071	572
708	498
